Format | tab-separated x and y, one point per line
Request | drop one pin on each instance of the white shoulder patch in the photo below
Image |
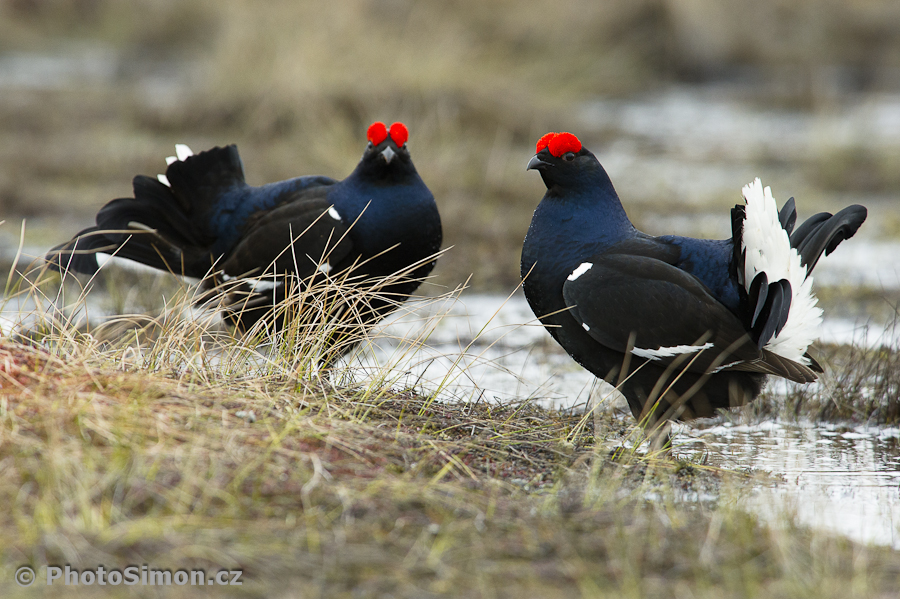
164	180
668	352
583	268
333	213
325	267
585	326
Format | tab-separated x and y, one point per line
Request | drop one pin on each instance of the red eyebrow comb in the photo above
563	142
377	133
399	133
543	141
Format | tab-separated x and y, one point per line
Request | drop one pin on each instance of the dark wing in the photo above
298	237
664	311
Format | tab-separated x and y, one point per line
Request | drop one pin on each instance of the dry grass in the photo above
861	385
190	448
326	491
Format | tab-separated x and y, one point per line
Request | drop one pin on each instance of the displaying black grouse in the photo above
201	219
681	326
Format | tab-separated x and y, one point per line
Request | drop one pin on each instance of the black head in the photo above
386	159
565	164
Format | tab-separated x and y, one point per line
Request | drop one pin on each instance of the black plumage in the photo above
202	220
671	321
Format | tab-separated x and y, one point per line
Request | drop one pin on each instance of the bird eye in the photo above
568	156
369	146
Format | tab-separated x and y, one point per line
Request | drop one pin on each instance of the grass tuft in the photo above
167	440
860	385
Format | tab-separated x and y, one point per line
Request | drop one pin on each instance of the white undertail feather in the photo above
768	249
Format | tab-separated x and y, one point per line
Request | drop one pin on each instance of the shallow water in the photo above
843	480
831	477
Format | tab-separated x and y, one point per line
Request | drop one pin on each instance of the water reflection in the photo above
831	478
838	479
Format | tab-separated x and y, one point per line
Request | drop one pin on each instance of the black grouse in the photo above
681	326
201	219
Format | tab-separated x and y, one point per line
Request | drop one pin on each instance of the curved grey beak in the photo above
536	163
388	154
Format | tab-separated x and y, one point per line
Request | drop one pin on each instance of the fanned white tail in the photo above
768	249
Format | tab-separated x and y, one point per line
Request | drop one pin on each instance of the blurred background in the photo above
683	101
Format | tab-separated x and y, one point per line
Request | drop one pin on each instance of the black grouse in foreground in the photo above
201	219
681	326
